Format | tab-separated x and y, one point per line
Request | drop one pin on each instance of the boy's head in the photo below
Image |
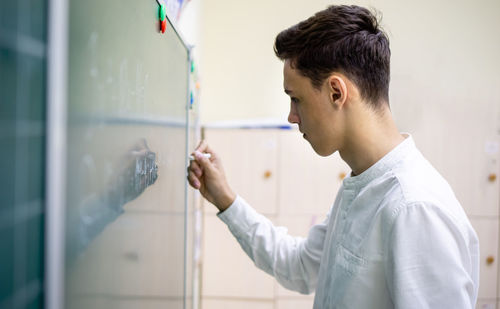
343	39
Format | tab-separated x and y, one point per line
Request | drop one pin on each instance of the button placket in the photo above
347	198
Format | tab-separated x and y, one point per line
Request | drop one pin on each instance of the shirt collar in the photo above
388	162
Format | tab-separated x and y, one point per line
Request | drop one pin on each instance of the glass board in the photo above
126	167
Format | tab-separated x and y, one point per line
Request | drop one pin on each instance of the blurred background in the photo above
99	110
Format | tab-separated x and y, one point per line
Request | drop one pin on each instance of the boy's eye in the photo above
294	100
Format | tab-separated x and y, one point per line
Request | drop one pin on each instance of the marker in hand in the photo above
206	155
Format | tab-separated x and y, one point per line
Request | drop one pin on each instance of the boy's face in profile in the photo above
313	111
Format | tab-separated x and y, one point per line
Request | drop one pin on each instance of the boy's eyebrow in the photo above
288	91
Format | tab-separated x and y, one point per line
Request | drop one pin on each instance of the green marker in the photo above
192	66
162	12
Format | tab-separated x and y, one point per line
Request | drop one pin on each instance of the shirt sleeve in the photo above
431	259
293	261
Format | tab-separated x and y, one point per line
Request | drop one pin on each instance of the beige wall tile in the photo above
487	231
249	158
226	270
214	303
294	303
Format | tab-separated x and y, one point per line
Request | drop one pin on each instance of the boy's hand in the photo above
207	175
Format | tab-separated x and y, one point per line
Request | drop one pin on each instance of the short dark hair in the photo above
341	38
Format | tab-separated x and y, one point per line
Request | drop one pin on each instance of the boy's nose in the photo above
292	115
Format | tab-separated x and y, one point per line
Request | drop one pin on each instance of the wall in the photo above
441	51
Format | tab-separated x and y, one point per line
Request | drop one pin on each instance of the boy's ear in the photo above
338	90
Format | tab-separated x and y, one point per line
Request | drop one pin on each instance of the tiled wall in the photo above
22	152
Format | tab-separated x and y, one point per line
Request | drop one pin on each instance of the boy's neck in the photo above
368	141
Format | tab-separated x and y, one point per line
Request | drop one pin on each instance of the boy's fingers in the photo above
203	147
193	180
203	161
195	169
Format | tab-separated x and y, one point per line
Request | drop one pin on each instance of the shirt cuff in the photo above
240	216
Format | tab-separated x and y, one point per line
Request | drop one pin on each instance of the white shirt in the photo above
396	237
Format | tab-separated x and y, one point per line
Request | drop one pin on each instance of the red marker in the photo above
163	25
